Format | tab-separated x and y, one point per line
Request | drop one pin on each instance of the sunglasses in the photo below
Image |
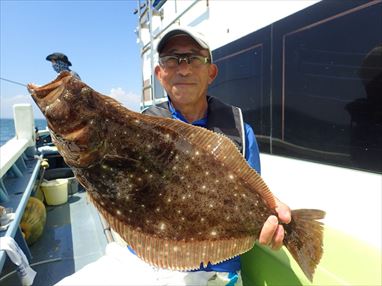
173	61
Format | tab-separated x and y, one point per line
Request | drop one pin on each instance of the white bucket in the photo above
55	191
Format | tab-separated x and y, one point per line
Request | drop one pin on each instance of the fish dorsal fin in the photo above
222	148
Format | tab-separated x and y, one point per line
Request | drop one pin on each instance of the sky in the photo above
98	37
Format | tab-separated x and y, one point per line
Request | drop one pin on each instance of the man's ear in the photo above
157	72
212	73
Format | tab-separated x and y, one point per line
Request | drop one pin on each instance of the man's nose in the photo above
184	68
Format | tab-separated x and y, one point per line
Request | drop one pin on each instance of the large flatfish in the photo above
179	195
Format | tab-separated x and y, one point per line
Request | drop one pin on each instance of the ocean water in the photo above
7	128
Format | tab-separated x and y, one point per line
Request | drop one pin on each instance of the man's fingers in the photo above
278	238
272	233
268	230
284	213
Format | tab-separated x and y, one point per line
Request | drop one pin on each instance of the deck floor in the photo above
72	238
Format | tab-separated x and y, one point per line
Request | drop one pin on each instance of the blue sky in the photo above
98	37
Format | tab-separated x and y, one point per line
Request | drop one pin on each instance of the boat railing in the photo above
19	169
13	152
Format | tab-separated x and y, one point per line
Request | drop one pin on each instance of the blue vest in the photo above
221	118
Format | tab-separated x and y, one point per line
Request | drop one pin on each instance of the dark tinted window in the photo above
327	108
325	84
243	80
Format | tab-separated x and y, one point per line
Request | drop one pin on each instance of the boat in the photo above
295	73
304	74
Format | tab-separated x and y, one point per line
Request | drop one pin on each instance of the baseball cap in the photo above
198	37
58	56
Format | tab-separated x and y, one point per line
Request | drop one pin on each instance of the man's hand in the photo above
272	233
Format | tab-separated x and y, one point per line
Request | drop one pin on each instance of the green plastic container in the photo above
346	261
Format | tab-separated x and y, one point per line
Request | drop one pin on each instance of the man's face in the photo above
184	83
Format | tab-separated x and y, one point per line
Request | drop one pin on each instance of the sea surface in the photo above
7	128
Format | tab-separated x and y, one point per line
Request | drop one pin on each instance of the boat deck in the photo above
72	238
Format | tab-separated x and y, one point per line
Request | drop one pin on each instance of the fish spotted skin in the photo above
179	194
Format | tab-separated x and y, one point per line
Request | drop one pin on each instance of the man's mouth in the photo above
184	84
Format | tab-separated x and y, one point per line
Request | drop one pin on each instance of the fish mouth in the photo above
70	126
46	94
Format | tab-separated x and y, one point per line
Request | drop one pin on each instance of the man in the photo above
60	63
185	71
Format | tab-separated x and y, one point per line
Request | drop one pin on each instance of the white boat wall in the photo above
295	69
17	157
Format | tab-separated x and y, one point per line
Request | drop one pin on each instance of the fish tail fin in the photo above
303	238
